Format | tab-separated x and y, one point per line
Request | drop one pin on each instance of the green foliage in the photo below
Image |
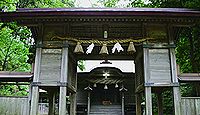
14	52
13	90
108	3
15	41
81	65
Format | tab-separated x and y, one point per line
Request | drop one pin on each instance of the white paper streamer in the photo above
117	47
90	48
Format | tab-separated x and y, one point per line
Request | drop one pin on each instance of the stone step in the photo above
106	110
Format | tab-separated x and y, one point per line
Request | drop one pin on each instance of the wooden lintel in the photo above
161	84
162	46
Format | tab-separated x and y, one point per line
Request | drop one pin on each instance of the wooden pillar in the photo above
160	103
123	103
138	104
88	104
52	97
148	101
177	105
63	81
176	92
35	88
148	97
73	104
34	100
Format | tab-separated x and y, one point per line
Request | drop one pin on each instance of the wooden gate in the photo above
190	105
14	106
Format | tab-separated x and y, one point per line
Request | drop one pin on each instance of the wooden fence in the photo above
190	105
14	106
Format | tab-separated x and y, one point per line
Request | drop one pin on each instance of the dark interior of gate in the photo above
62	38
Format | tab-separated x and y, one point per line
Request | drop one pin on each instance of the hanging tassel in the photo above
90	48
78	49
131	48
104	49
117	47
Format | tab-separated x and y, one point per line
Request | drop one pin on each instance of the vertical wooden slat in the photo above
197	106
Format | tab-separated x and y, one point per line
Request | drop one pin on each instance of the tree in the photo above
15	41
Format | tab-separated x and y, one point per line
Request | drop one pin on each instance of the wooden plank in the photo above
197	106
159	65
50	65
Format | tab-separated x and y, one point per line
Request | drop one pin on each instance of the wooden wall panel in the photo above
14	106
50	65
159	66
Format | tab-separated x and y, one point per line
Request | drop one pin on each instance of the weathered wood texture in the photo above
159	66
190	106
43	108
50	65
14	106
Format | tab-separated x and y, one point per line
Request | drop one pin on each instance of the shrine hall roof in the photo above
32	12
105	11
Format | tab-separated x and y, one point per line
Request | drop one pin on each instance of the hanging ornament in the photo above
78	49
118	47
90	48
104	49
105	34
131	48
95	85
116	85
105	87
